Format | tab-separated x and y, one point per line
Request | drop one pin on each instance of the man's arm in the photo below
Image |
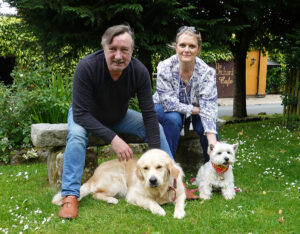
146	105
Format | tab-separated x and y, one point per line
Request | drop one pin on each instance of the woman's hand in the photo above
196	110
211	138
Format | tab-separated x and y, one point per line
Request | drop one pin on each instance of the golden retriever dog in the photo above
150	181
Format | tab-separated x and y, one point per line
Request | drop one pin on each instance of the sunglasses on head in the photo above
187	28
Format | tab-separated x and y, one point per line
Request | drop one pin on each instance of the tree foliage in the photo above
233	24
239	24
81	23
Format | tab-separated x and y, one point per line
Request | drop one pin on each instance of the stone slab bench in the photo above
52	139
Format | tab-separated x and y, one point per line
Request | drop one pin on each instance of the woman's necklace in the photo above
186	76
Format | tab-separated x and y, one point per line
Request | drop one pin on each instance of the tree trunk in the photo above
239	50
239	88
292	99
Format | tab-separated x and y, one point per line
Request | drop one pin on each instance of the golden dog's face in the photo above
154	168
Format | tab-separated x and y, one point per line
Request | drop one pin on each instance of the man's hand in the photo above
121	148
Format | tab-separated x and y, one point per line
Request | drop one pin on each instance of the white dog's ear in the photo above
235	147
210	148
174	171
139	174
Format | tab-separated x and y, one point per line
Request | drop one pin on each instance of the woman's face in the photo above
187	48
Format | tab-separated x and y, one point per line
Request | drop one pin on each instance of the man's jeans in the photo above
77	141
172	123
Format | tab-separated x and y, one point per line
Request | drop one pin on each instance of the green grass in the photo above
266	171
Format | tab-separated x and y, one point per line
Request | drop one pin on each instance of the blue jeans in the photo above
172	123
77	141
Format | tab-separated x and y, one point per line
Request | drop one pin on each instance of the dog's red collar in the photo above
220	169
173	188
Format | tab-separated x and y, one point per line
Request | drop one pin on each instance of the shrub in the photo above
14	121
275	79
35	97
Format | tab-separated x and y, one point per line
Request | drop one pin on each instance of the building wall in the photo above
225	73
256	73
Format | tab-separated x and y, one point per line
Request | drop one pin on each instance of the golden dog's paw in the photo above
112	200
158	210
179	214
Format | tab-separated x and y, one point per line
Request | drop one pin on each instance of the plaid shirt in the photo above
203	91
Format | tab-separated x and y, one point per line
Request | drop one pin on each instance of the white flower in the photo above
25	227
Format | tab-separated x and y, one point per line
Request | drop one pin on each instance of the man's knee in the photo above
78	134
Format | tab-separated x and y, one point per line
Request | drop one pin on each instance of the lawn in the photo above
266	172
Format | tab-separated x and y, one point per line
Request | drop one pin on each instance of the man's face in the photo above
118	53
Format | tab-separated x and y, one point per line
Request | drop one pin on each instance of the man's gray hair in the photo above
114	31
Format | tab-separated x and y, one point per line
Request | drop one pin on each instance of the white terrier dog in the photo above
217	173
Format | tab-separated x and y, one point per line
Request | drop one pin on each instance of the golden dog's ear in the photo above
139	174
174	172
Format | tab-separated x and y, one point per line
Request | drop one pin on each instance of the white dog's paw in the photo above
204	196
158	210
228	196
112	200
179	214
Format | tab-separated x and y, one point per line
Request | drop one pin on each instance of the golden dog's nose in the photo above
153	181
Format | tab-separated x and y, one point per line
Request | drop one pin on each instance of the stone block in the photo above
55	166
49	135
54	135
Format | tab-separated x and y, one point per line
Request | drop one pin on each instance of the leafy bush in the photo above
51	104
275	79
41	89
14	121
35	97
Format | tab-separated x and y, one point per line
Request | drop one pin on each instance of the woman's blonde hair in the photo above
190	30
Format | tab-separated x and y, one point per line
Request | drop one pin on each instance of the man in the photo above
103	84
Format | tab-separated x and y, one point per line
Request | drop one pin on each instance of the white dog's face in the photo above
155	167
222	154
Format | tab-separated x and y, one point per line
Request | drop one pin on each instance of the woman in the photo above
186	92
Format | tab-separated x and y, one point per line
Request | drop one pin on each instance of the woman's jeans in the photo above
77	141
172	123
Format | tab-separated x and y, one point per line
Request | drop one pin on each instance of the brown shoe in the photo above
69	208
189	194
